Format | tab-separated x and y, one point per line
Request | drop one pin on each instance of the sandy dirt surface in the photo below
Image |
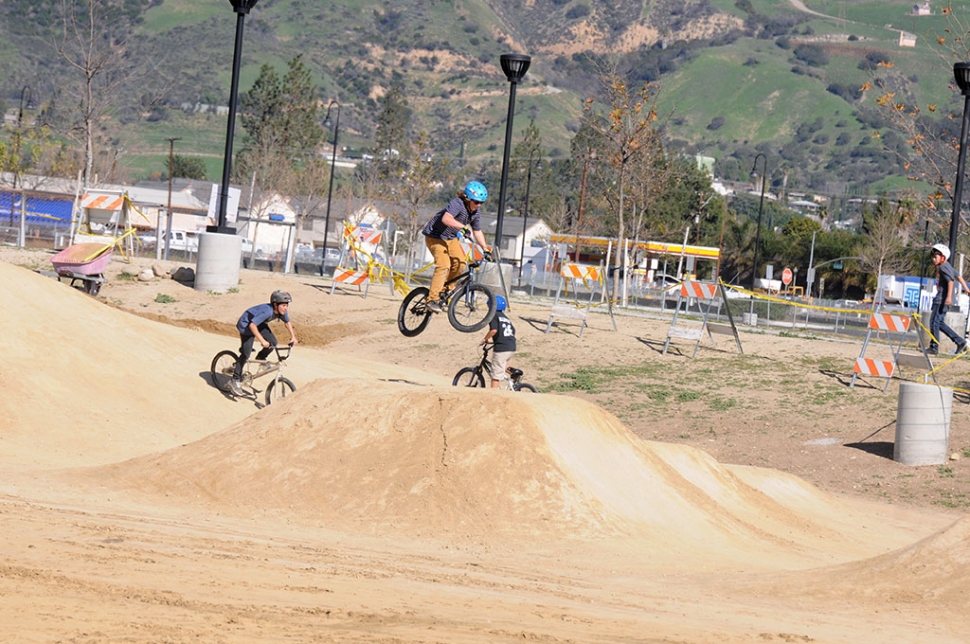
641	498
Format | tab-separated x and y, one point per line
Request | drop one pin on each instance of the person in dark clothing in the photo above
502	333
946	275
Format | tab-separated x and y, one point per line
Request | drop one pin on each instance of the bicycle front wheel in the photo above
524	386
469	377
223	366
413	316
278	389
471	308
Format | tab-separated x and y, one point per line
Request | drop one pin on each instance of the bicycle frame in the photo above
267	366
485	369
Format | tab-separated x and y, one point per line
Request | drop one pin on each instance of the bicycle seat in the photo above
514	373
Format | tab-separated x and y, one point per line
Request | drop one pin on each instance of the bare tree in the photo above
628	131
883	251
418	180
92	38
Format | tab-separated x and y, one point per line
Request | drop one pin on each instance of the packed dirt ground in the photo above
380	504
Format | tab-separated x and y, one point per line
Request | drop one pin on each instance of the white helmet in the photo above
942	250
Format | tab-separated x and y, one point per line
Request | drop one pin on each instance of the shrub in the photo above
577	12
812	55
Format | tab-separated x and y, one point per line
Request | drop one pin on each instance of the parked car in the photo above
316	255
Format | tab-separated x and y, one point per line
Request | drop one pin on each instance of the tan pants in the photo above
449	263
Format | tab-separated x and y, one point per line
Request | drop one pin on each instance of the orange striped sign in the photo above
700	290
868	367
348	276
102	202
580	272
888	322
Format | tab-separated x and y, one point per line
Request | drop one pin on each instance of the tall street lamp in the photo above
24	92
961	72
333	164
514	66
241	7
525	213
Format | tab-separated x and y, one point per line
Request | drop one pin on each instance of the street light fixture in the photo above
241	7
961	73
514	66
333	164
525	213
761	205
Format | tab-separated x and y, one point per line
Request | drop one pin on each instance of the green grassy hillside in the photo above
731	88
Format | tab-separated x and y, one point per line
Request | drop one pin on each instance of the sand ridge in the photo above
380	504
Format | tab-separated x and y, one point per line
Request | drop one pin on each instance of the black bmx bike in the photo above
475	376
470	305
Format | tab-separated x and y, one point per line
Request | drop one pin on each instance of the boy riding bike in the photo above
441	238
502	333
253	325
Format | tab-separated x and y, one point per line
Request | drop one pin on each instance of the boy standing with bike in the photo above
441	238
253	325
502	333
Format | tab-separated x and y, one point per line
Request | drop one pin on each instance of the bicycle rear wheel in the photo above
471	308
223	366
413	316
524	386
278	389
469	377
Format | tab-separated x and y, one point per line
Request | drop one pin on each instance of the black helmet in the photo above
280	297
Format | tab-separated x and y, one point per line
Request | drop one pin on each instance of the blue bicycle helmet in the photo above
476	191
500	303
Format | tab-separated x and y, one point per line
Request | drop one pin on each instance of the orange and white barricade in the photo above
575	274
890	323
700	292
350	277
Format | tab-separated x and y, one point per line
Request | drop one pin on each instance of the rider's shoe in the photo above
236	387
263	368
434	306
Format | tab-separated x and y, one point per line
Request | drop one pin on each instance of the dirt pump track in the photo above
379	504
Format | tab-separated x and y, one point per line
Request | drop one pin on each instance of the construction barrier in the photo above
700	292
575	273
886	323
350	277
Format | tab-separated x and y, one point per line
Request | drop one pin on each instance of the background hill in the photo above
737	77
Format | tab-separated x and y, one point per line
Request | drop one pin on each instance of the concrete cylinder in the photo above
490	277
954	319
217	264
922	424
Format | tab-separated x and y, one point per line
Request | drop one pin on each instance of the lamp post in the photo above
961	73
241	7
24	92
514	66
525	212
333	164
757	236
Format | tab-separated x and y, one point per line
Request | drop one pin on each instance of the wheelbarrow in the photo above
85	263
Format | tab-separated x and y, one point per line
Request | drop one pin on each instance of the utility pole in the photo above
171	167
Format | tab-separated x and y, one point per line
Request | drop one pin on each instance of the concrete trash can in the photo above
490	276
954	319
922	424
